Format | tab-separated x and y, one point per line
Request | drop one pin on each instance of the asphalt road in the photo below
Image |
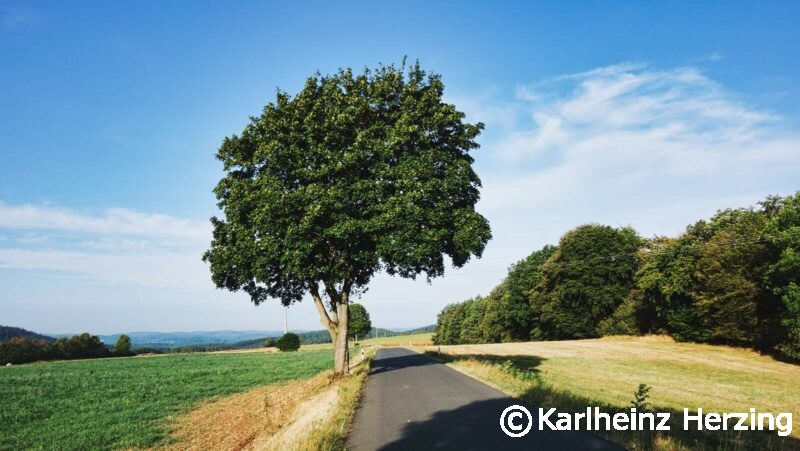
413	402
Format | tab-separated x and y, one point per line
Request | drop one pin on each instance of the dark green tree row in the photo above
733	279
84	346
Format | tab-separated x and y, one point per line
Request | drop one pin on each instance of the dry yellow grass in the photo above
309	414
241	420
414	340
608	371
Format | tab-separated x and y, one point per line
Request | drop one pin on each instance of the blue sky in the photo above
642	113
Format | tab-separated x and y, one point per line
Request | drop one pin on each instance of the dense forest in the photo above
8	332
732	279
84	346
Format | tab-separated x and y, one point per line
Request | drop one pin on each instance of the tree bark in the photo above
336	323
341	350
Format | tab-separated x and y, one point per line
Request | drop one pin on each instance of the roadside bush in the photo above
288	342
269	342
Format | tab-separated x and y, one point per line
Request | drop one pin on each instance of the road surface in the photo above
413	402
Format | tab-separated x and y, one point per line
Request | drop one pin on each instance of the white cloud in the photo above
114	221
626	145
117	246
621	145
160	269
627	129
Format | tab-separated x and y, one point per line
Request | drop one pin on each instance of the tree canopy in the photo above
288	342
584	280
360	324
355	174
123	346
733	278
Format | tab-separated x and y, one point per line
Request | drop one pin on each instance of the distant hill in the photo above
229	339
8	332
322	336
167	340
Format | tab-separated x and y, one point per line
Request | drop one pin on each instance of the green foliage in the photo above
708	285
783	274
357	173
640	398
24	350
8	332
510	315
123	346
728	288
288	342
494	323
626	318
449	323
585	280
270	343
360	324
470	330
734	278
128	403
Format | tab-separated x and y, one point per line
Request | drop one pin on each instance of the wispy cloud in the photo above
114	221
119	245
627	144
623	145
629	130
150	268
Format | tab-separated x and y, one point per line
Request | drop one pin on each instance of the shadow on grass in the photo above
536	393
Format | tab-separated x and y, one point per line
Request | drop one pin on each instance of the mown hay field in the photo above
605	372
421	339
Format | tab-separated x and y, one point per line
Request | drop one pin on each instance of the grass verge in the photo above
307	414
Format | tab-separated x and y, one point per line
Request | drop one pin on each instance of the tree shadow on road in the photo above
384	364
476	426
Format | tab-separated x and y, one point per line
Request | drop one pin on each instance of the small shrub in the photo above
288	342
516	370
269	342
640	397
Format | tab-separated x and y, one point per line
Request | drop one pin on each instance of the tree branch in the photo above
330	289
323	313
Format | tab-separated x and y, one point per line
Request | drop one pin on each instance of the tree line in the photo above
732	279
84	346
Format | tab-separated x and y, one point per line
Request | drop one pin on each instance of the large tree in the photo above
360	324
356	174
584	280
783	275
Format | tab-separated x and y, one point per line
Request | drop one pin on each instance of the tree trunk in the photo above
341	350
337	323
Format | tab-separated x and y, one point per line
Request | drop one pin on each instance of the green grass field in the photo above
128	402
